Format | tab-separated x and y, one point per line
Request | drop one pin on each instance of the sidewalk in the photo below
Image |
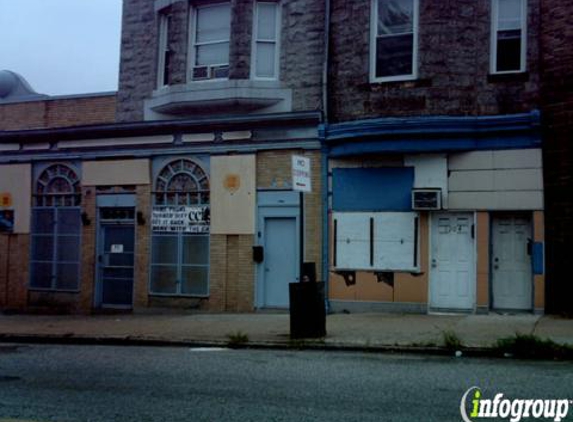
344	331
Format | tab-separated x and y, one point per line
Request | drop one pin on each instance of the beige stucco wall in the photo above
496	180
233	209
115	173
16	179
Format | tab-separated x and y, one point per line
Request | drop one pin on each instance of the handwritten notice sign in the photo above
181	218
301	173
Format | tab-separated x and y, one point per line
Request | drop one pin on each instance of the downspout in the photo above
324	154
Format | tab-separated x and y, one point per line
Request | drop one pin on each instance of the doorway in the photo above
511	265
279	234
115	257
452	266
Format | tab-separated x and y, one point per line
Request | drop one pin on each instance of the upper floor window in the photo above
265	62
508	44
164	53
394	40
211	34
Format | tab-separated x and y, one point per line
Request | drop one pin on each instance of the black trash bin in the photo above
307	311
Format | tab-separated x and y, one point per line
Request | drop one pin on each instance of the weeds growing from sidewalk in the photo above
529	346
451	340
237	339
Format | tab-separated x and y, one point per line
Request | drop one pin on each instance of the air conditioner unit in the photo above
427	199
211	72
201	72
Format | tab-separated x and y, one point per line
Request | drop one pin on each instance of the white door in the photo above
281	262
452	266
511	262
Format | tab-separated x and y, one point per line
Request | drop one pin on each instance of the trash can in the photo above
307	311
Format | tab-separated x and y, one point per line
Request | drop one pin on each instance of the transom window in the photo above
394	39
58	185
265	40
180	245
182	182
56	229
211	35
508	36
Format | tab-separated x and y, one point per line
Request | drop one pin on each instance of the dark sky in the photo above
62	47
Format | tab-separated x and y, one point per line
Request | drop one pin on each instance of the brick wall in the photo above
137	70
14	270
58	112
231	273
454	44
557	115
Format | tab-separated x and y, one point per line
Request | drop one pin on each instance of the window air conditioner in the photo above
211	72
427	199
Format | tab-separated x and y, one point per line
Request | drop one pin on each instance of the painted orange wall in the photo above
539	279
482	231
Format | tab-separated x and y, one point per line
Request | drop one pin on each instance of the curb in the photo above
294	345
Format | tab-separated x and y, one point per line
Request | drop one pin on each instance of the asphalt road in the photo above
102	383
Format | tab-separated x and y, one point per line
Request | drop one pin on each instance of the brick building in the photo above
557	109
422	121
434	148
164	207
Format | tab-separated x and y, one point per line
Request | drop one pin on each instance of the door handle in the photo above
434	263
529	246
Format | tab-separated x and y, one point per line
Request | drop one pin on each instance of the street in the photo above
103	383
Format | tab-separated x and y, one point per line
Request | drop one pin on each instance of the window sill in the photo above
178	296
508	77
218	96
403	83
44	290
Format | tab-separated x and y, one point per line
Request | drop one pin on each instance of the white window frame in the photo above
192	51
494	31
374	36
276	41
163	49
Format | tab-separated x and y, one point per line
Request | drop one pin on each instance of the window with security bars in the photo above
394	39
180	259
56	230
508	44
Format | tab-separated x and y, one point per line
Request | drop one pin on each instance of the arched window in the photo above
180	252
182	182
56	228
58	185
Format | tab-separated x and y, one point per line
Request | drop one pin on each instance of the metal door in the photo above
115	265
281	264
452	272
511	262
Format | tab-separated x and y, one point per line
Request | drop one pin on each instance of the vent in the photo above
426	199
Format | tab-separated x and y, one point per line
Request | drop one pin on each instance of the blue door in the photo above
281	263
115	265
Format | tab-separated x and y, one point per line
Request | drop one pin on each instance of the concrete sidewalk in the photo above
344	331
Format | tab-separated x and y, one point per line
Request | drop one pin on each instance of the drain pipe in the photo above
324	154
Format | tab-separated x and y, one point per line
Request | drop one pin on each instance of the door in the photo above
281	262
511	262
452	272
115	265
